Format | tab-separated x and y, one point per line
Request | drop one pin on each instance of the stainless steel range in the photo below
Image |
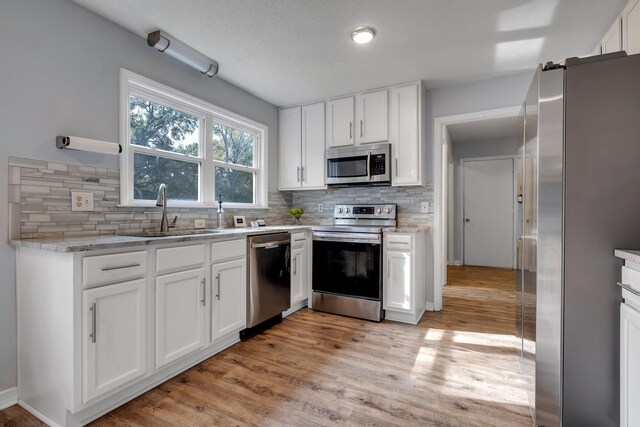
347	261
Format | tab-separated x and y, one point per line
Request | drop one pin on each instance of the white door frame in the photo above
439	191
514	190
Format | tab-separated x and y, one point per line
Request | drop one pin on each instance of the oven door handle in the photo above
331	237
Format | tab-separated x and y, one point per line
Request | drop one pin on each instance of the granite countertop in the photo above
81	244
628	254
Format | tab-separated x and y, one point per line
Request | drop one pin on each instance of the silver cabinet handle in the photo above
629	288
298	174
218	280
350	130
204	291
120	267
295	266
396	166
92	335
361	123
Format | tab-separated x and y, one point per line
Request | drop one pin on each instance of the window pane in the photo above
234	185
232	145
157	126
181	178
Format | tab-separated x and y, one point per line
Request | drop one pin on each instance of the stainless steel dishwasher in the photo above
269	279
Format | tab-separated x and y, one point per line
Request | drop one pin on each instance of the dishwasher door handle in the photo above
270	245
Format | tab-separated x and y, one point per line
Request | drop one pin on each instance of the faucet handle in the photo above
173	223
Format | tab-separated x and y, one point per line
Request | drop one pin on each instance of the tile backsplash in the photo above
40	203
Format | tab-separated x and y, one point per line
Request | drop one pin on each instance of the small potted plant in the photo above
297	213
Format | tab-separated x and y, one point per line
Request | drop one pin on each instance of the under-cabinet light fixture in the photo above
183	53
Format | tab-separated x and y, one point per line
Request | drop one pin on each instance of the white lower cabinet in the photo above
180	314
404	285
114	336
629	366
300	271
229	300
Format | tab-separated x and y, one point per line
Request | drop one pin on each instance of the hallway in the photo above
457	367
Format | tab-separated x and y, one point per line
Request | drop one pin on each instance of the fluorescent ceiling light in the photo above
180	51
362	35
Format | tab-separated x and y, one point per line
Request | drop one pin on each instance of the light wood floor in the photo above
457	367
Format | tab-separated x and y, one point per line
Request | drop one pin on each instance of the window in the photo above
199	151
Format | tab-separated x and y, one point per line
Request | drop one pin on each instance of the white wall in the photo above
500	147
59	75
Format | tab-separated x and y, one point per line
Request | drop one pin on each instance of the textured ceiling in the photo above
484	130
294	51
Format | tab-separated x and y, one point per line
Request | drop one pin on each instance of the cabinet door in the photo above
631	27
313	128
406	140
180	314
629	367
290	148
299	274
398	292
372	113
340	123
612	41
113	336
229	297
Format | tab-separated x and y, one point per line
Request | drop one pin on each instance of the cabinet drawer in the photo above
401	242
631	277
298	239
97	270
179	258
228	250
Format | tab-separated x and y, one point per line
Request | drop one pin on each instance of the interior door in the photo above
488	212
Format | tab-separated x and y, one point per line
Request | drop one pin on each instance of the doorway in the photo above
487	212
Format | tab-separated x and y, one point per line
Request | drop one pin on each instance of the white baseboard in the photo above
429	306
295	307
8	397
455	262
39	415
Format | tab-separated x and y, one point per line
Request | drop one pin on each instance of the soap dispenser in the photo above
220	212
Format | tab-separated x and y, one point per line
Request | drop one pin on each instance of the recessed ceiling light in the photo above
362	35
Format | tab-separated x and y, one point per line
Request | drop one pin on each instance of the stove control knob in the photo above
339	210
379	210
348	210
388	210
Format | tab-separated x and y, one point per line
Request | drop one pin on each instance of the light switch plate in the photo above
199	223
424	207
320	207
81	201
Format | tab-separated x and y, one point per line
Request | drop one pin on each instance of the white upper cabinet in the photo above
340	122
631	27
612	41
302	135
313	128
372	117
290	148
407	163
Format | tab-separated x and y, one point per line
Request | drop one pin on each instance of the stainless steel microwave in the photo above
361	165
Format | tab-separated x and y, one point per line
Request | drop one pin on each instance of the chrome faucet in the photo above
162	202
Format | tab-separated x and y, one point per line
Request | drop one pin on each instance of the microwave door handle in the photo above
369	166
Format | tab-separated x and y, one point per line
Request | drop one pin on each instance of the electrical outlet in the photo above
81	201
320	207
424	207
199	223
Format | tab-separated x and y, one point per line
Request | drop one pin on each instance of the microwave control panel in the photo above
377	164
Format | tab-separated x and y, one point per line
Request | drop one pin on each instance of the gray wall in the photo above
480	95
59	75
500	147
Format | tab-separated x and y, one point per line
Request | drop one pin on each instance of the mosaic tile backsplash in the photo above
40	203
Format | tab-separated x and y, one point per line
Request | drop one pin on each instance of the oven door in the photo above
347	266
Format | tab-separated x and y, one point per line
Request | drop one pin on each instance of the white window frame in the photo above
137	85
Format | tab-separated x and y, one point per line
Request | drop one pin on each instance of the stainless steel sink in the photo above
174	233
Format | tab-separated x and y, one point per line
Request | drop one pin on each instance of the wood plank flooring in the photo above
456	368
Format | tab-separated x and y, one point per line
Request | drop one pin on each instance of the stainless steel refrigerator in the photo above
579	180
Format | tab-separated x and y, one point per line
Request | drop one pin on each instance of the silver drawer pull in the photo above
92	335
120	267
629	288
